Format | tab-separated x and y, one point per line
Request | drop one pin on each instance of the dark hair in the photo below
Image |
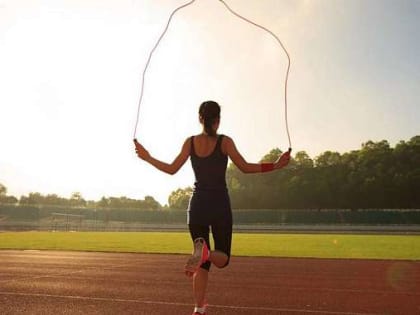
209	111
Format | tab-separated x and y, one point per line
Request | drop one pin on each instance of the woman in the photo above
209	206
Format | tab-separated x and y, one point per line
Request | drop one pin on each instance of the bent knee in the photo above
224	264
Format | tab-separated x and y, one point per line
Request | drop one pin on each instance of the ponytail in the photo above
208	126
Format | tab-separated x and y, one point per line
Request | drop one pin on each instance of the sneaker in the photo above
197	311
199	256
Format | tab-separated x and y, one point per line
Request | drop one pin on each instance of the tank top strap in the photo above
192	149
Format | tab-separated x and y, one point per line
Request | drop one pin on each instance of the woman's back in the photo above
204	145
209	162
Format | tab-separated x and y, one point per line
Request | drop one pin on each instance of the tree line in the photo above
77	201
376	176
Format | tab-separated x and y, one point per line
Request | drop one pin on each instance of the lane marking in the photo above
66	274
231	307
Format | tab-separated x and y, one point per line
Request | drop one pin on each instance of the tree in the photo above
11	200
3	190
4	198
52	200
32	199
303	160
271	156
327	159
103	203
76	200
406	175
151	203
3	193
376	176
180	198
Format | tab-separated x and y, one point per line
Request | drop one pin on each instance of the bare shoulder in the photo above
227	144
188	140
187	145
227	140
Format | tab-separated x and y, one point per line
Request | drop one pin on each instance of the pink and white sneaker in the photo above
200	310
199	256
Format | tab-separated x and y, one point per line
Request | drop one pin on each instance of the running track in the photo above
49	282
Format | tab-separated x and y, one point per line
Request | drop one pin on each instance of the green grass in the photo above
274	245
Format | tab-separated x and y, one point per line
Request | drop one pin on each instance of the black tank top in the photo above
209	171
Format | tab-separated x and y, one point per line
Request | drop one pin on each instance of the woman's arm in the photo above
246	167
172	168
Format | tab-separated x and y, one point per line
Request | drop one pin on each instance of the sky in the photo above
70	74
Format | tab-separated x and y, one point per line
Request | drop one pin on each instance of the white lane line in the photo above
232	307
321	289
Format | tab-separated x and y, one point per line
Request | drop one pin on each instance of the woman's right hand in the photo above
283	160
141	152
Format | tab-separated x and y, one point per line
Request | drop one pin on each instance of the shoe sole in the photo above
196	259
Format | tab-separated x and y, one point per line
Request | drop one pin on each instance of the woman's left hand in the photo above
141	152
283	160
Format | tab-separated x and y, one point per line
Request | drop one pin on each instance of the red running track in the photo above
49	282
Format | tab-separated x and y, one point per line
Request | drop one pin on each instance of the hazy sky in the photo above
70	81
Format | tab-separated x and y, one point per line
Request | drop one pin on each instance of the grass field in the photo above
274	245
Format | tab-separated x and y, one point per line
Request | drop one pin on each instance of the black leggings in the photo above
222	237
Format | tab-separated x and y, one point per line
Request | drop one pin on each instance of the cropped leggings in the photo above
222	237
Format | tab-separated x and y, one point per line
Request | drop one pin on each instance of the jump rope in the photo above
237	15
